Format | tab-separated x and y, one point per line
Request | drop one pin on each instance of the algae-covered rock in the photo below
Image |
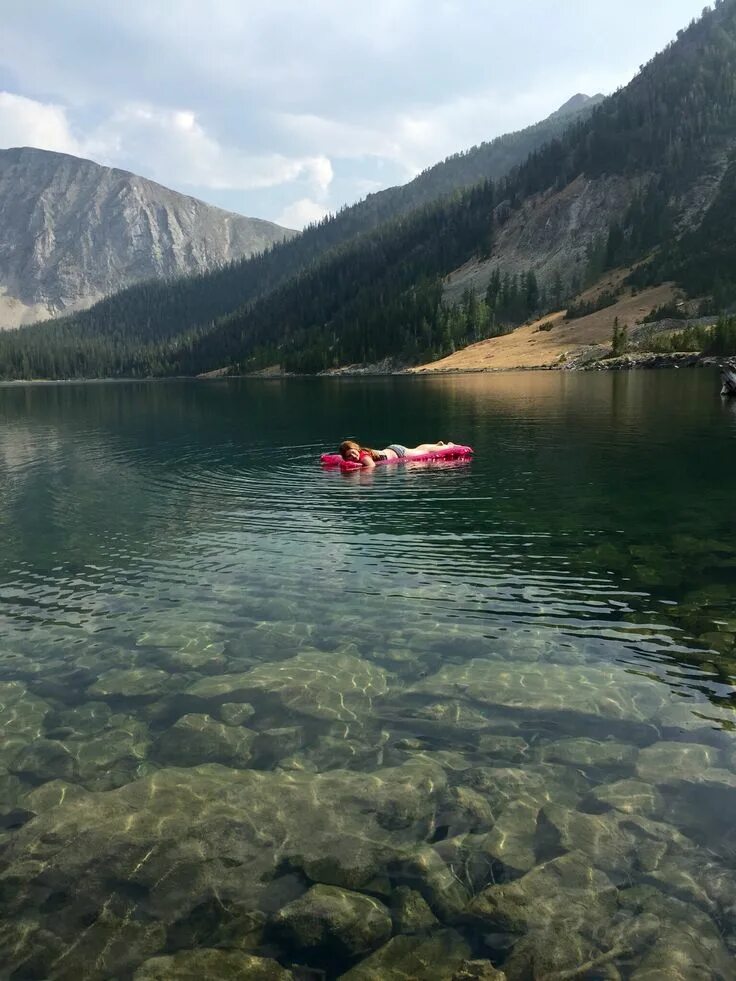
670	762
23	716
589	752
325	686
435	958
196	739
141	682
539	784
686	944
616	843
410	911
51	794
337	921
112	947
181	839
44	759
478	971
275	744
512	839
211	965
424	870
81	720
112	757
235	713
510	749
630	797
105	749
567	890
596	692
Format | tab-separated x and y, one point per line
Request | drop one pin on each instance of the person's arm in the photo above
368	461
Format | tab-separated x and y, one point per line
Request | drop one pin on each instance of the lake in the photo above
266	720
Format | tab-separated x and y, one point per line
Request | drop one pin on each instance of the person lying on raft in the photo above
366	457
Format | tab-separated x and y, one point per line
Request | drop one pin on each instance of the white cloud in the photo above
171	145
25	122
301	213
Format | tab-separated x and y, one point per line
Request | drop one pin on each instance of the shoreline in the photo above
644	361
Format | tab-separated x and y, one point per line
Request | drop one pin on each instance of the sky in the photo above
288	109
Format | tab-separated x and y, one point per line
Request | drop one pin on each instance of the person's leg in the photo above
430	447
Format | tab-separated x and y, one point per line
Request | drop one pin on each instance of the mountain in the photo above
72	232
644	180
158	310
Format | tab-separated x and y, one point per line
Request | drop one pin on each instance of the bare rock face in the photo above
72	232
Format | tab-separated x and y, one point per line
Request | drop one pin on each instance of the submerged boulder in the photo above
134	683
167	845
436	958
212	965
196	739
336	921
322	685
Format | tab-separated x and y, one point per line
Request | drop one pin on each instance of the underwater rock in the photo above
181	838
211	965
112	947
630	797
140	682
196	739
110	758
81	720
424	870
275	744
44	759
410	912
472	811
616	843
568	891
534	784
51	794
597	692
453	715
669	762
435	958
11	790
510	749
235	713
339	922
589	752
23	716
108	749
512	840
478	971
686	944
325	686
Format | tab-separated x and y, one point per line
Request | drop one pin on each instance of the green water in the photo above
264	720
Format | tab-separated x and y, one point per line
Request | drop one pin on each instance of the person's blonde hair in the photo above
350	444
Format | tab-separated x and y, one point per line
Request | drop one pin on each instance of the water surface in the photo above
449	712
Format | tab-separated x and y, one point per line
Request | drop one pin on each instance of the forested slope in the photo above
101	340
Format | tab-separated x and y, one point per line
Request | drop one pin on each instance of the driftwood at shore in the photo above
728	377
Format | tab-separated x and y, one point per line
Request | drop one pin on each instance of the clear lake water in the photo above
261	719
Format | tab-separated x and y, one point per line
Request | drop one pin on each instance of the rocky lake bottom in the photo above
436	722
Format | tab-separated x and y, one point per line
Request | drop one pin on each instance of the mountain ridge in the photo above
73	231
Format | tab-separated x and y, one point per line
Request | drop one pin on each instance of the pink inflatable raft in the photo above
448	453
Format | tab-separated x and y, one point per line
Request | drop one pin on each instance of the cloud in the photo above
257	102
168	145
301	213
171	145
25	122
